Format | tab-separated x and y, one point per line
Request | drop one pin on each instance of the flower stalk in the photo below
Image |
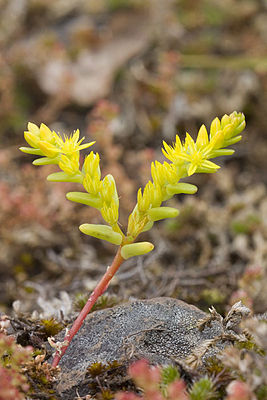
99	290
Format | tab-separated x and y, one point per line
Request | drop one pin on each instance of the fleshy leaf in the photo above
29	150
185	188
158	213
136	249
85	198
148	226
233	140
46	161
221	152
103	232
63	177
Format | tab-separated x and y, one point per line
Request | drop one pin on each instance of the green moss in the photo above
247	225
99	368
212	296
250	345
103	302
202	390
261	393
169	374
50	327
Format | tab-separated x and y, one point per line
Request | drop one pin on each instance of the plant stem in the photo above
100	288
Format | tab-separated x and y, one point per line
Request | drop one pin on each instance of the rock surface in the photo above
159	329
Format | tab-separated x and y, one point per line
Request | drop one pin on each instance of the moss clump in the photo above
51	327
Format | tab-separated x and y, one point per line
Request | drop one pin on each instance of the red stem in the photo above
100	288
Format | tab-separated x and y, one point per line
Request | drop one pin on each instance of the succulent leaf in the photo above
103	232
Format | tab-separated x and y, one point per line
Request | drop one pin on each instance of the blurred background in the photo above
129	74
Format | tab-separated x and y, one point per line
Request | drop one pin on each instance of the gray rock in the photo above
159	330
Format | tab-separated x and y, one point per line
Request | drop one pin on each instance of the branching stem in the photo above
100	288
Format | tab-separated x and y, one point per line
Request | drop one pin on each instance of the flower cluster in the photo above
184	159
65	152
55	149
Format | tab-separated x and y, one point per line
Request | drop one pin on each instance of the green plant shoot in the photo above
184	159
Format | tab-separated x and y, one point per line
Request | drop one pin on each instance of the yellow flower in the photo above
192	153
69	145
172	153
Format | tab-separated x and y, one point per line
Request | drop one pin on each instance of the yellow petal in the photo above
192	169
46	134
226	119
32	139
215	127
209	164
85	145
202	137
33	128
190	143
48	149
